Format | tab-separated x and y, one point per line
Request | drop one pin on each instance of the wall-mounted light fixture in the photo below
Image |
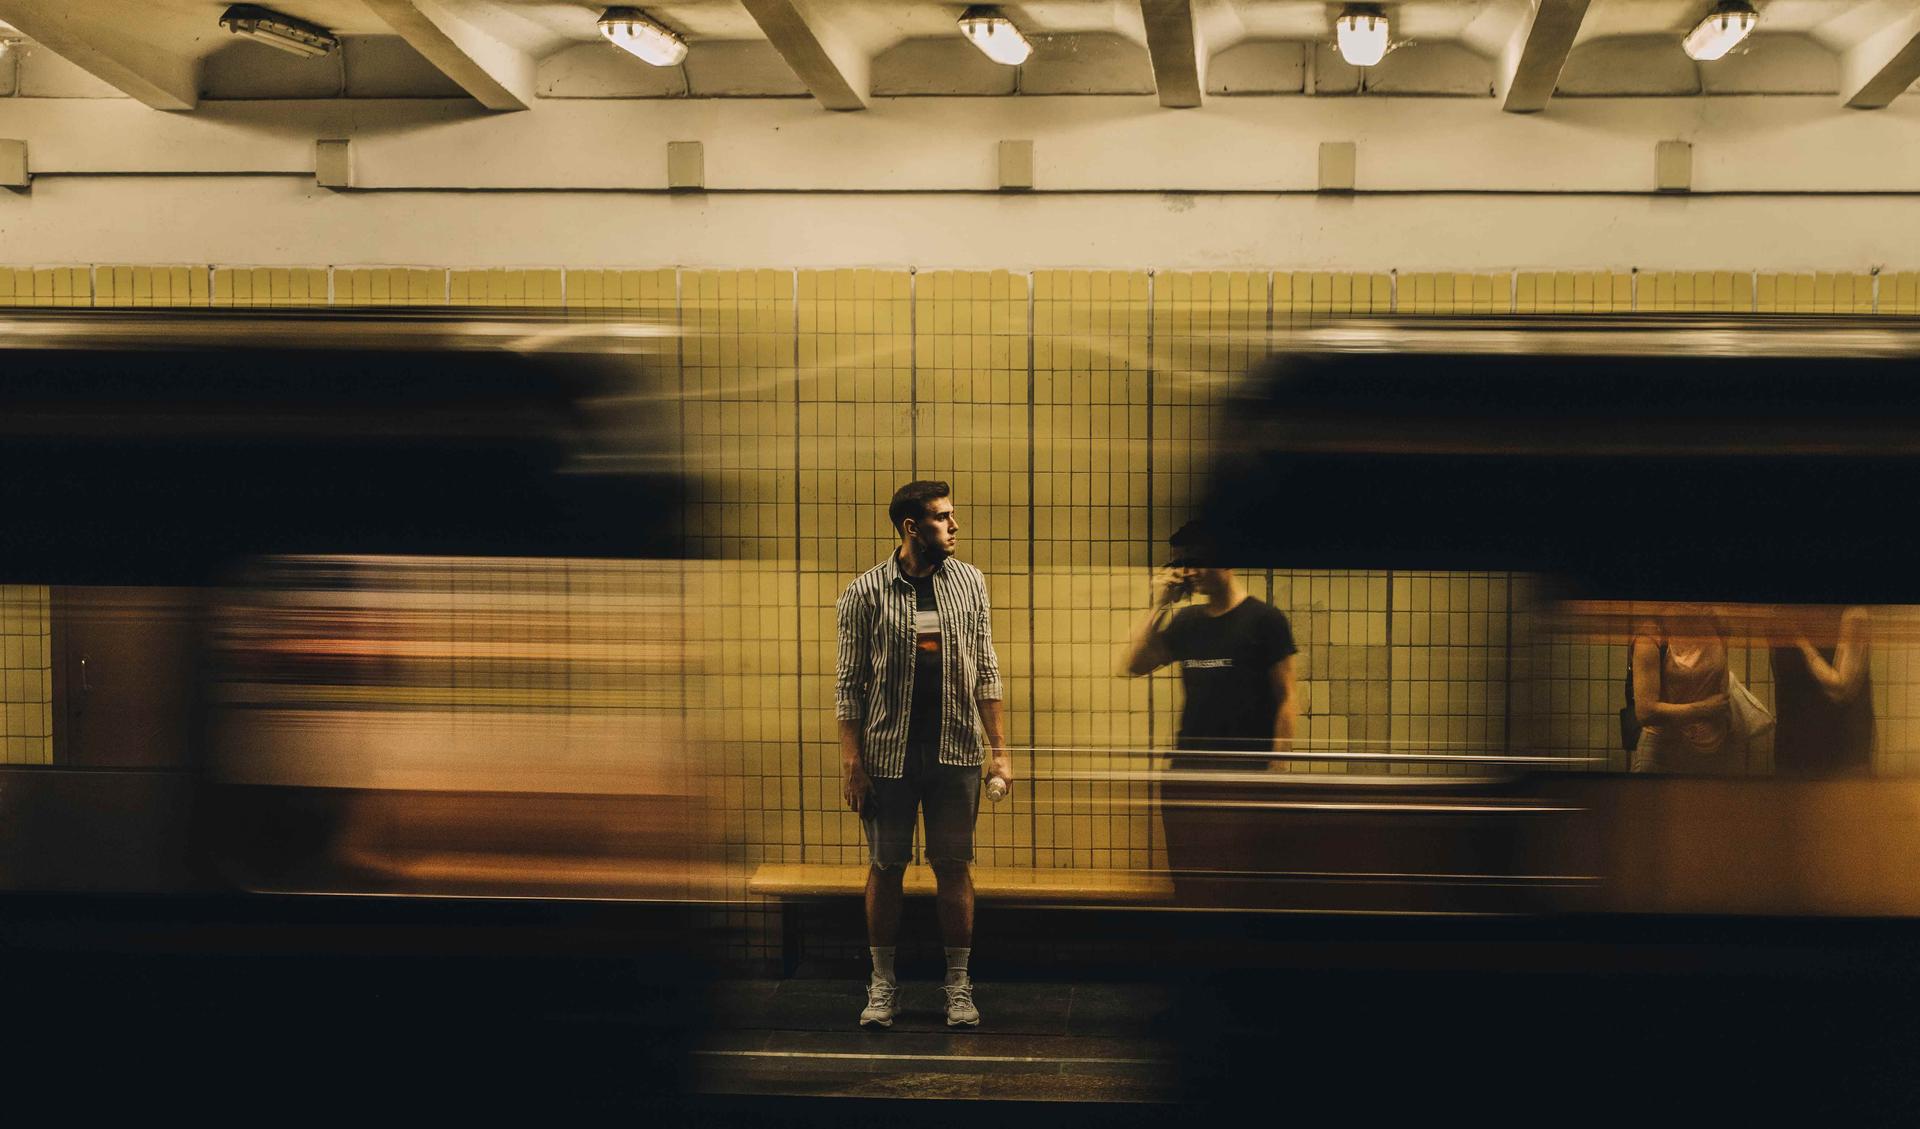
296	37
986	28
636	33
1362	34
1721	31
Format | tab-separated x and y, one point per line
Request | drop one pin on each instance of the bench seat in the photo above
806	880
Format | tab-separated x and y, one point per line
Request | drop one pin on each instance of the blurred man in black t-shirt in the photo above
1237	668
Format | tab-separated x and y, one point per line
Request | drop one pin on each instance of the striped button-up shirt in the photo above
875	671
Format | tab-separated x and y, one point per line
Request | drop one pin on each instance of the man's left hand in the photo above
1000	765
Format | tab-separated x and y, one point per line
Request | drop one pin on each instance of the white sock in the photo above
957	964
883	963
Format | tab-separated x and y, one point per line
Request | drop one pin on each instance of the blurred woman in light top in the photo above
1680	694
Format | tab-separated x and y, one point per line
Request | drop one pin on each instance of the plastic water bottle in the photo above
996	789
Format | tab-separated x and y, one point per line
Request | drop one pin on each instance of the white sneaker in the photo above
880	1004
960	1009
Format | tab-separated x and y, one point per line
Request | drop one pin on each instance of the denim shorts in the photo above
949	795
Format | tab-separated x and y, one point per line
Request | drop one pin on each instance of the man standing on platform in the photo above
918	698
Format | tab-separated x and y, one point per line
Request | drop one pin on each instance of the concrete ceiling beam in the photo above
140	70
834	68
498	75
1882	66
1530	65
1175	49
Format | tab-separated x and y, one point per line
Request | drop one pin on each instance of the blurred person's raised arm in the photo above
1146	650
1844	677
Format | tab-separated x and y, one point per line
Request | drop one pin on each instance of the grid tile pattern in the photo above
389	286
26	682
1695	292
739	409
1571	292
1898	293
1814	293
1454	294
651	294
855	446
270	286
46	286
1303	297
971	408
505	288
151	286
1091	544
1451	636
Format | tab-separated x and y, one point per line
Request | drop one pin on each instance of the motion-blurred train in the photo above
372	604
390	604
1746	471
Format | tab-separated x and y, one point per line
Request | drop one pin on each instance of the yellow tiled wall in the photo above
973	426
1816	293
389	286
1071	411
26	693
270	286
504	287
46	286
151	286
1571	292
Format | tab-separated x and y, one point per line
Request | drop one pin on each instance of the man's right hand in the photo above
1169	584
854	786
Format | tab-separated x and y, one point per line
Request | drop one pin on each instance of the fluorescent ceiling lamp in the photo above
1721	31
633	32
1362	33
995	35
296	37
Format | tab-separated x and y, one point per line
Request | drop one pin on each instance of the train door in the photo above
124	676
112	809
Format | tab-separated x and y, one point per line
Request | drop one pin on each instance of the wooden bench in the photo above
792	880
799	883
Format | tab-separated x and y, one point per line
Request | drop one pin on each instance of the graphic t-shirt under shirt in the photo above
923	719
1226	667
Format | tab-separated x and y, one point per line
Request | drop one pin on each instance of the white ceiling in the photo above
541	26
1082	46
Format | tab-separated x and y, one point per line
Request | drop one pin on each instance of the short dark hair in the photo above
1194	546
910	501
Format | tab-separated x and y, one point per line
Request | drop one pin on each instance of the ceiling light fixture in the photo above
995	35
634	32
1362	34
1721	31
296	37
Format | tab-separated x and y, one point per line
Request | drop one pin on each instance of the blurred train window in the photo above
451	724
1832	690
